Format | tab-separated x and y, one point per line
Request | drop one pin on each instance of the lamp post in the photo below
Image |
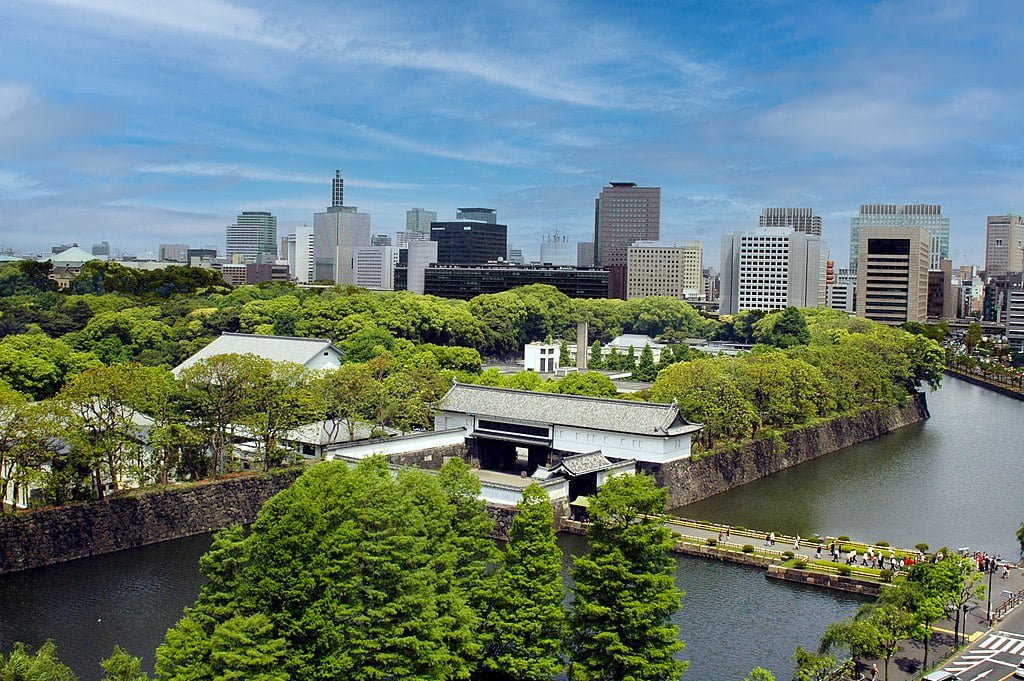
992	565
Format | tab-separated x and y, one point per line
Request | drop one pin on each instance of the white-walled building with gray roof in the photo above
619	429
310	353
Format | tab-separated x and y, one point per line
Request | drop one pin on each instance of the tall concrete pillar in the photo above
582	345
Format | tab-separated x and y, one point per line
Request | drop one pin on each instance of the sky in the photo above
142	122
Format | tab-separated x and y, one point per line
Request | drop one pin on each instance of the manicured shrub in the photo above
747	548
882	543
788	555
885	575
845	570
843	537
800	564
712	542
922	547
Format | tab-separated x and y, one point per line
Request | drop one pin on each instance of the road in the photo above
994	655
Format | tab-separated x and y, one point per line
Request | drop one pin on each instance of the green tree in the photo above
917	596
121	666
526	622
27	442
785	329
958	583
346	392
244	648
811	665
282	399
625	590
645	368
972	336
596	360
1020	539
760	674
23	665
564	358
589	383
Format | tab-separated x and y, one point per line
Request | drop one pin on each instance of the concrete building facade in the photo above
654	269
337	232
623	214
1015	319
585	254
419	256
798	219
375	267
892	274
1004	244
891	216
253	236
771	268
417	221
842	293
556	249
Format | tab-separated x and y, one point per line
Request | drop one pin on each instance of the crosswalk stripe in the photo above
987	643
1017	648
1010	643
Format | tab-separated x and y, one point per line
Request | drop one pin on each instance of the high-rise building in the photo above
799	219
556	249
173	252
770	269
253	237
467	281
403	239
380	240
585	254
420	256
479	214
891	216
101	249
337	232
623	214
661	270
1004	244
1015	319
337	190
516	257
468	242
892	274
417	221
375	267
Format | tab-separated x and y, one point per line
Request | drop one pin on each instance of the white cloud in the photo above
204	169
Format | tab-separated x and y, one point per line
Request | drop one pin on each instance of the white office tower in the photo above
770	269
556	249
375	267
655	269
926	216
253	237
1015	319
421	255
336	235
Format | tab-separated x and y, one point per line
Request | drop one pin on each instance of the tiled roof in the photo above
623	416
275	348
581	464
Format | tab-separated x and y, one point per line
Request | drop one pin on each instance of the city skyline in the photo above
226	107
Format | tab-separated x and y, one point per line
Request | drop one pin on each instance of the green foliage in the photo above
785	329
38	365
625	589
812	666
23	665
1020	539
748	548
351	573
645	368
596	359
589	383
526	622
564	358
760	674
123	667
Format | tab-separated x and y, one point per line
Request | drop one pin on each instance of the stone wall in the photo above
690	481
432	458
55	535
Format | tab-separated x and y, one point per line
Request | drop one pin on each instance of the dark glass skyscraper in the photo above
623	213
464	242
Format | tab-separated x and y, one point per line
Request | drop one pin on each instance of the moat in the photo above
950	480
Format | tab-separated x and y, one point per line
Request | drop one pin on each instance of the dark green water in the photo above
953	480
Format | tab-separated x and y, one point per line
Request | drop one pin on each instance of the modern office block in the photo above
585	254
798	219
417	221
467	281
891	216
892	274
467	242
173	252
770	269
420	256
374	267
1004	244
841	294
1015	319
479	214
253	237
623	214
337	232
556	249
664	270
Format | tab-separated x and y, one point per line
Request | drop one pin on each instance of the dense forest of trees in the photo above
85	381
363	574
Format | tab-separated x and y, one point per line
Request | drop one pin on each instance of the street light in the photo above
993	564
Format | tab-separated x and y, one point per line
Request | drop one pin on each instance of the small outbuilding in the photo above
310	353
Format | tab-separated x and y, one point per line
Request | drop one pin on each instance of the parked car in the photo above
941	675
1018	672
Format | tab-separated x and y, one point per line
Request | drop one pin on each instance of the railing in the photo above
1008	605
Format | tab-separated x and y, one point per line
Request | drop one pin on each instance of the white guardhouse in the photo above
570	424
310	353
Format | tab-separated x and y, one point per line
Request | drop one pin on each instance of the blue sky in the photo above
145	122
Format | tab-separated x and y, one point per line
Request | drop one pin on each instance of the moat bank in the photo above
691	481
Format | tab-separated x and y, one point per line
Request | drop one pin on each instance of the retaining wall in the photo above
55	535
689	481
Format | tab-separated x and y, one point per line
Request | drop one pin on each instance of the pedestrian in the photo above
719	536
727	531
771	539
768	540
874	672
1006	571
817	554
796	543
